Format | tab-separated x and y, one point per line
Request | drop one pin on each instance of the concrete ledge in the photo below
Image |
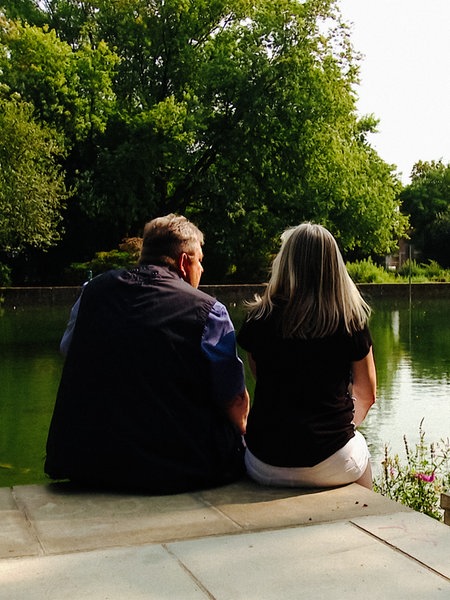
241	541
58	518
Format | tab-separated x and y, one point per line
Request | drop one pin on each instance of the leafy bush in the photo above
435	272
366	271
125	257
410	268
418	483
5	275
361	271
422	272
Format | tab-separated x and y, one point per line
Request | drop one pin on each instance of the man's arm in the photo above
226	368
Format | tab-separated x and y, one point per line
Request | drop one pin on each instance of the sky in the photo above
405	76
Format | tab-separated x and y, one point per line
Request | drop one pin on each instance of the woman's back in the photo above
302	410
304	338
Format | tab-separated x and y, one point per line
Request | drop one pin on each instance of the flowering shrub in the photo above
419	481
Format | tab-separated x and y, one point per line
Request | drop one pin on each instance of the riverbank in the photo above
17	297
241	541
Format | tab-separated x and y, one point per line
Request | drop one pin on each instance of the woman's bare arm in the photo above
364	386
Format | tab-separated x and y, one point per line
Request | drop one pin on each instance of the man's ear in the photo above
182	264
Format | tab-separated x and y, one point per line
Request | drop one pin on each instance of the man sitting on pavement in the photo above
152	395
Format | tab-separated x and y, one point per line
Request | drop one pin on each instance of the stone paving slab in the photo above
16	535
330	561
239	541
51	519
64	520
142	573
327	561
414	534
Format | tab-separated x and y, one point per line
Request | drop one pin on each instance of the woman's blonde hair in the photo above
309	281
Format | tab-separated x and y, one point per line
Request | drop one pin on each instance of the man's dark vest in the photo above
134	408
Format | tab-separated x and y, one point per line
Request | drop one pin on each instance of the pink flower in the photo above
425	477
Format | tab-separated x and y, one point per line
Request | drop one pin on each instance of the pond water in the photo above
412	352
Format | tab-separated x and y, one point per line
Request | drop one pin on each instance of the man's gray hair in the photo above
166	238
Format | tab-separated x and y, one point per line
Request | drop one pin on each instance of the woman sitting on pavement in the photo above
310	350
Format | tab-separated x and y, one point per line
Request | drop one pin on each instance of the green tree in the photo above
239	114
71	91
28	10
32	191
427	200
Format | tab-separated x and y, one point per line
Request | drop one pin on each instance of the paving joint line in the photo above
188	572
400	551
21	507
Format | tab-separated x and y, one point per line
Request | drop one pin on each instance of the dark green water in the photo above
412	350
30	367
412	353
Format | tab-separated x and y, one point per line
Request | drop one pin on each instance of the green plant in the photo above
125	257
412	269
419	481
435	272
366	271
423	272
5	275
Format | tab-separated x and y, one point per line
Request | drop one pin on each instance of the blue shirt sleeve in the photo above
219	346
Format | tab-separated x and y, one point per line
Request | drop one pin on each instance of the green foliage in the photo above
427	201
240	115
361	271
103	261
419	481
28	10
366	271
126	256
32	190
71	91
421	272
412	269
5	276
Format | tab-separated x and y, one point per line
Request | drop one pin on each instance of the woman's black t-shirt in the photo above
302	411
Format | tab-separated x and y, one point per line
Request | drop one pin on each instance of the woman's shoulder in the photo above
361	342
257	327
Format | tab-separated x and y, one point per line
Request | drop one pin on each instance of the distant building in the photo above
405	250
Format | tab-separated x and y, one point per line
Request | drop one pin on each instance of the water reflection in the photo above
412	350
